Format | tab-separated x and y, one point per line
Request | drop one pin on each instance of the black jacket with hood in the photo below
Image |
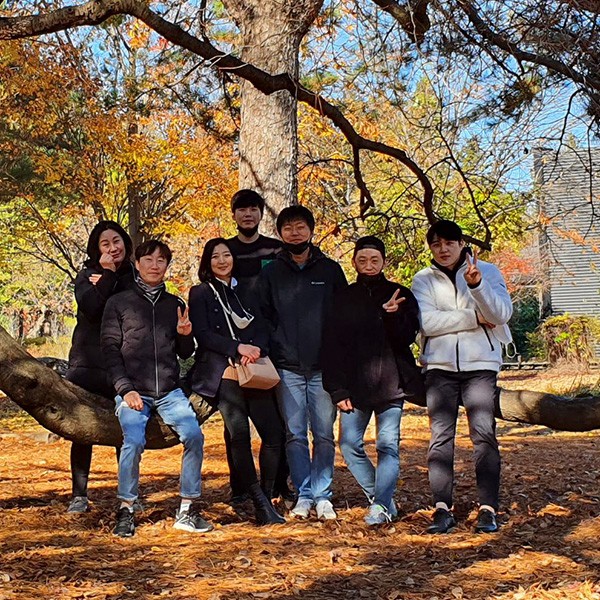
141	344
366	351
294	301
86	364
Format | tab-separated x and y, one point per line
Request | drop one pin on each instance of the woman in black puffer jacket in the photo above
107	271
242	336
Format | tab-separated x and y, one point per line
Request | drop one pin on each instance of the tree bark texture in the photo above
77	415
271	32
68	410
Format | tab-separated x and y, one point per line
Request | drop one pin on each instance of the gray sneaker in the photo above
191	521
302	508
377	515
79	504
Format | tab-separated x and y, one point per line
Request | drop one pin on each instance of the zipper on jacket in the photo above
155	348
487	335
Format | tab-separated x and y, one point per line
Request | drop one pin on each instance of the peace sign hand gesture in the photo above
184	325
472	273
391	306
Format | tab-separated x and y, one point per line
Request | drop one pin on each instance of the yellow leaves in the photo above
138	34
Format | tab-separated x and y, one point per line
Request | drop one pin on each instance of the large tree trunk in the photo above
271	32
77	415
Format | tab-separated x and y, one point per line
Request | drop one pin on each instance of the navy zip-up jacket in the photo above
295	301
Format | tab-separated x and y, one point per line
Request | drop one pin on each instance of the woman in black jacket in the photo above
107	271
226	331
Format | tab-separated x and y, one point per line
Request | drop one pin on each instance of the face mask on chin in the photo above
247	231
296	249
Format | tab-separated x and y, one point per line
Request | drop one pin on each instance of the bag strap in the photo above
225	313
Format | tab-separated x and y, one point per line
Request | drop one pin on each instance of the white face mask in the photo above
241	322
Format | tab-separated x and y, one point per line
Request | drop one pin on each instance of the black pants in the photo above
96	382
476	390
81	460
237	406
283	472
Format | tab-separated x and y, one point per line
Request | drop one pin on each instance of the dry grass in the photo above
548	546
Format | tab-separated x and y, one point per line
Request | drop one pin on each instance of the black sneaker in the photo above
191	521
486	522
125	526
443	521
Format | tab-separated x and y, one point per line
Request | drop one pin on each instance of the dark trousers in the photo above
476	391
238	406
81	460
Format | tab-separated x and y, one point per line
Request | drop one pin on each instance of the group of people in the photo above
336	347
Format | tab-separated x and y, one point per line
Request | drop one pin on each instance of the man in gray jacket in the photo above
464	306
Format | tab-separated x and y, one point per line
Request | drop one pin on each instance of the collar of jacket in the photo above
371	281
314	256
451	273
138	290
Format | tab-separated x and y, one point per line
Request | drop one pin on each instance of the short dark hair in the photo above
246	198
205	272
447	230
93	245
295	213
150	247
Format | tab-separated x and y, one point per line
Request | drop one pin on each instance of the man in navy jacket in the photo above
296	292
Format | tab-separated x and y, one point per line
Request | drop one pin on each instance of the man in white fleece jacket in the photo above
464	306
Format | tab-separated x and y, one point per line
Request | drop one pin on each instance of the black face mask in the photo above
247	231
296	248
369	279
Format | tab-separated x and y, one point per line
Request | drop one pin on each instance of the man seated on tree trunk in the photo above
143	331
464	307
253	251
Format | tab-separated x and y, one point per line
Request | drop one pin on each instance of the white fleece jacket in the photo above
451	338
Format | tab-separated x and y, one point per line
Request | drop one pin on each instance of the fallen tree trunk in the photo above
68	410
77	415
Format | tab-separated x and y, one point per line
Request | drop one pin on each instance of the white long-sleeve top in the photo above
451	338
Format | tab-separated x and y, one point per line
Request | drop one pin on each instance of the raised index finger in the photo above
394	298
475	256
179	314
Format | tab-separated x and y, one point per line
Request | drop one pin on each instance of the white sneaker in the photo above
302	508
325	510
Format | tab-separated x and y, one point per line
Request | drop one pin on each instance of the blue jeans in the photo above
177	412
304	403
378	484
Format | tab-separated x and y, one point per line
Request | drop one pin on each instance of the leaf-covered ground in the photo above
548	546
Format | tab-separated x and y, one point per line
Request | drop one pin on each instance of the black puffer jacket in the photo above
366	352
86	364
141	344
215	344
294	302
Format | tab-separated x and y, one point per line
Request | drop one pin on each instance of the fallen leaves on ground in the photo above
547	548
